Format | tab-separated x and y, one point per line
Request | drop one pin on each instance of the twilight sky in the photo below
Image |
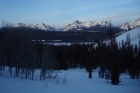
59	13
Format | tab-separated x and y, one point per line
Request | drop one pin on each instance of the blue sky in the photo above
62	12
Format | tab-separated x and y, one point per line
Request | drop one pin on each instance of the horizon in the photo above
63	12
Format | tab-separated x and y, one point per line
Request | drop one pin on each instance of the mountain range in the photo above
42	26
78	25
82	26
130	25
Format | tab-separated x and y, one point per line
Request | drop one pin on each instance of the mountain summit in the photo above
82	26
42	26
78	25
130	25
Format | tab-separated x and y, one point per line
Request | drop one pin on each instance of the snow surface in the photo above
38	26
134	36
78	24
70	81
132	25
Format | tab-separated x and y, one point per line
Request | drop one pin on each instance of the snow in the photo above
94	23
69	81
38	26
132	25
104	23
78	24
90	24
134	36
125	26
86	24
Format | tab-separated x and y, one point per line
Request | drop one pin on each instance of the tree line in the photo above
23	56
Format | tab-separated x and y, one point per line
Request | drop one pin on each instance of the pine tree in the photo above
89	65
111	34
115	74
128	41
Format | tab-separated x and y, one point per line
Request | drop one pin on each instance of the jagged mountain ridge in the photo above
82	26
42	26
75	25
130	25
78	25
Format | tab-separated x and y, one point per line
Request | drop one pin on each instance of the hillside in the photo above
134	36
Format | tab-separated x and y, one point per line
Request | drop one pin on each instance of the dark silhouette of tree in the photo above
111	34
89	65
115	73
128	41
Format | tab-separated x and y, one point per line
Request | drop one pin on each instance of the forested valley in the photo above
23	56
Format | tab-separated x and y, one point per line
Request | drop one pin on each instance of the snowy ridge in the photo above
38	26
104	23
134	36
78	24
130	25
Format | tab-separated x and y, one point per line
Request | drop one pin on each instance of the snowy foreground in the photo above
70	81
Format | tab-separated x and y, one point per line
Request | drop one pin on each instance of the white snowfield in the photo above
134	36
69	81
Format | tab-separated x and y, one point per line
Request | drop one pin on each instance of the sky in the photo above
60	13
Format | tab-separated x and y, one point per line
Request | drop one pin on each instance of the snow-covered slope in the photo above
134	36
68	81
75	25
79	25
104	23
38	26
130	25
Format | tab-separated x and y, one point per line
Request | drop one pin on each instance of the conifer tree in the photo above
89	65
115	73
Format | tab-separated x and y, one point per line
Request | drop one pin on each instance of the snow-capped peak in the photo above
94	23
79	25
77	22
104	23
38	26
130	25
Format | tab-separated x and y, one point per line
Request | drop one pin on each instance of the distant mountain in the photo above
78	25
130	25
38	26
100	26
82	26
